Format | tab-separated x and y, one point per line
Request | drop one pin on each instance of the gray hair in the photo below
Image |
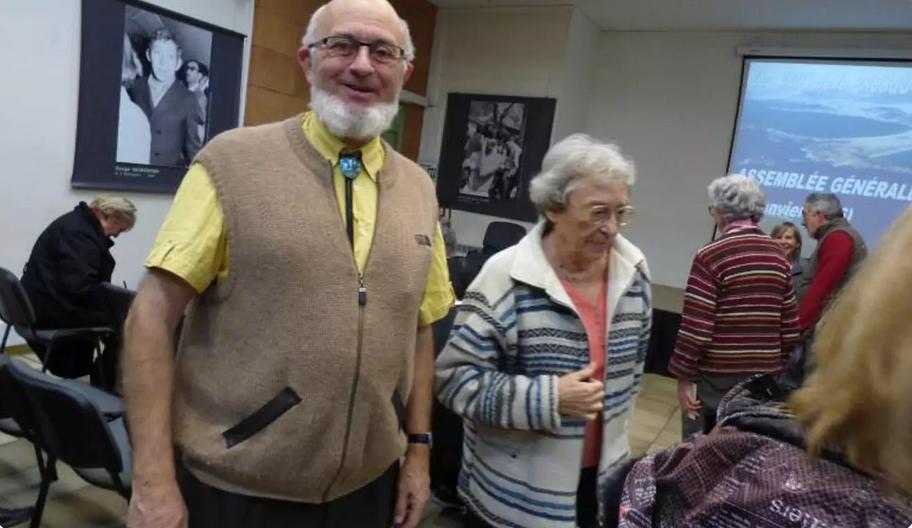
115	206
310	36
827	204
571	159
737	197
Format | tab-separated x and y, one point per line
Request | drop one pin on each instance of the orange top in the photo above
595	321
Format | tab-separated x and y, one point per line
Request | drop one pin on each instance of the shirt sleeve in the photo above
438	295
192	242
698	321
834	257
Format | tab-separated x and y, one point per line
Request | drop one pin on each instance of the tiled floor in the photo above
74	504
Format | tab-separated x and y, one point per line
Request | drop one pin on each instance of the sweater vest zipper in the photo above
362	301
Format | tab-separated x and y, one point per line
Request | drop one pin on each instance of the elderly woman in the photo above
837	454
788	236
546	354
740	315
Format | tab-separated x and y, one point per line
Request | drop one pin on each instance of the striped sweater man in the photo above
515	334
740	315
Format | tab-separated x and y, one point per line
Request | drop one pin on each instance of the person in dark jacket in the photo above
63	278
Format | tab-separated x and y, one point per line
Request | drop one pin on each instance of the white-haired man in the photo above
305	368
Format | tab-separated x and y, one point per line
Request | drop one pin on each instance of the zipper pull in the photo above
362	292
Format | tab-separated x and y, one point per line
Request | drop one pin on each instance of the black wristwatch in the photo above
421	438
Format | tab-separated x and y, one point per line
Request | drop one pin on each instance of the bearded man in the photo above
309	254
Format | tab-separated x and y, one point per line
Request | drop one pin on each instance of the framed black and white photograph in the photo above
492	146
155	85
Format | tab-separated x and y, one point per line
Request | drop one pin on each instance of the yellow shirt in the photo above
193	243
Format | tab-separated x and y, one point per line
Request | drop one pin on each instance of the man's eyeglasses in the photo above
346	46
602	214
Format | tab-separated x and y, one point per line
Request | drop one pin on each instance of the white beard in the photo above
349	121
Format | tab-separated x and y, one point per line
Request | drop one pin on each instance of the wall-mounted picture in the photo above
492	146
154	87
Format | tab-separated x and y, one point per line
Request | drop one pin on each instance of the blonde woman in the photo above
788	236
838	454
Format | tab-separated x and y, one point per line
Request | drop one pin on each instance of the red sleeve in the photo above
697	321
834	257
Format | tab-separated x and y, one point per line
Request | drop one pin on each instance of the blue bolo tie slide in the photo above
350	165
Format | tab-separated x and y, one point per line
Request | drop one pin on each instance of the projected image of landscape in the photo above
842	127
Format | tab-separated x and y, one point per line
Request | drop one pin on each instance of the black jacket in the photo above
69	262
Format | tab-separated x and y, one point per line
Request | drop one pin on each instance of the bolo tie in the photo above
350	165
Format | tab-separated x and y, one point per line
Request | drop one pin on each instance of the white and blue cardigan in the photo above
515	334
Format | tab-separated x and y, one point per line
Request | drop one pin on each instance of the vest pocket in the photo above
262	417
399	408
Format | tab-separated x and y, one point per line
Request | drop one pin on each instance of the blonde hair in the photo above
858	401
115	206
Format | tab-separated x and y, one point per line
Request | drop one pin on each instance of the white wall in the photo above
501	51
573	97
669	99
39	58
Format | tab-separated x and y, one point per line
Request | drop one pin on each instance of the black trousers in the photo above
75	358
369	507
586	503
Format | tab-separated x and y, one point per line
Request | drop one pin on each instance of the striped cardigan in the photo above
740	315
515	334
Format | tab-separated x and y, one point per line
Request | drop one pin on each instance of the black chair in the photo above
498	236
13	410
446	457
17	312
71	427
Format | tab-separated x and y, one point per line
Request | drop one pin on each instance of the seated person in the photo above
837	454
65	276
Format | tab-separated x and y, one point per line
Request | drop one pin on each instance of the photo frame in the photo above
492	147
154	86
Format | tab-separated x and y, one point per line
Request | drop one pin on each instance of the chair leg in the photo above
38	511
5	336
47	356
99	364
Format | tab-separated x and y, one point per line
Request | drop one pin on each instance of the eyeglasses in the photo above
712	210
347	46
602	214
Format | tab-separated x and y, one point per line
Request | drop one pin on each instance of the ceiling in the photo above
729	15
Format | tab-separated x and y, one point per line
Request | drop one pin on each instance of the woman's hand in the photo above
579	396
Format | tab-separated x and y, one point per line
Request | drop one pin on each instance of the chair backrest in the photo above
442	331
501	235
15	308
13	400
71	427
456	267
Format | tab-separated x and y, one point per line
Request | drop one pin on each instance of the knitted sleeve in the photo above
697	320
470	382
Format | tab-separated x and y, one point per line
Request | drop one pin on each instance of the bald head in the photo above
379	13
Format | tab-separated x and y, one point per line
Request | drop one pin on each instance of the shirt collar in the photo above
531	266
329	146
740	225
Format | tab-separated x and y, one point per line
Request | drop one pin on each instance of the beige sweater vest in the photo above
286	326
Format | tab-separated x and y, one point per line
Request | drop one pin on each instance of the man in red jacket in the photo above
840	249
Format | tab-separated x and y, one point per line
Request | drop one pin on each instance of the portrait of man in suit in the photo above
175	118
